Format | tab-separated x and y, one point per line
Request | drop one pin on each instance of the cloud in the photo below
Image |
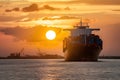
94	2
59	18
8	10
0	5
67	8
32	7
9	18
48	7
35	7
30	34
116	10
14	9
25	19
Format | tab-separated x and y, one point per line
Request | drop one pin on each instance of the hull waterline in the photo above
82	53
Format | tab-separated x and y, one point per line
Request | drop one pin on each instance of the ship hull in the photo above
82	53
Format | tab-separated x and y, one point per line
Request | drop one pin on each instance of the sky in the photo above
23	24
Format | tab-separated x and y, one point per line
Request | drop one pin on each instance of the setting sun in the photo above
50	34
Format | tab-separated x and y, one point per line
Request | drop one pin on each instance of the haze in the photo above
32	15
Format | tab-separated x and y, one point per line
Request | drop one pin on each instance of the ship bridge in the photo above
81	29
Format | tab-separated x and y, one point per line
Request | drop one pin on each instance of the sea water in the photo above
58	69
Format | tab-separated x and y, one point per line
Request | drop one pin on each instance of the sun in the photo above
50	34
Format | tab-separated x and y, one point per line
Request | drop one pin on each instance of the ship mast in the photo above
84	30
81	22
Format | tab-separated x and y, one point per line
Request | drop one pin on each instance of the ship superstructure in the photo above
82	44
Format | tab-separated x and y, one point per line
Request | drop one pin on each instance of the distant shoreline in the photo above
109	57
54	57
34	57
29	58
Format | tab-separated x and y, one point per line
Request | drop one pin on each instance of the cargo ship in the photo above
82	44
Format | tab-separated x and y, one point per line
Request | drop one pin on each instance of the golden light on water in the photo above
50	35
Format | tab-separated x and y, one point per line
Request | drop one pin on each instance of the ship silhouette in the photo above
82	44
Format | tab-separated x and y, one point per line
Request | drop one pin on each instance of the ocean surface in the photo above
58	69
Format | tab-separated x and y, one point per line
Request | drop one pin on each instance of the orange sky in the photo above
103	14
